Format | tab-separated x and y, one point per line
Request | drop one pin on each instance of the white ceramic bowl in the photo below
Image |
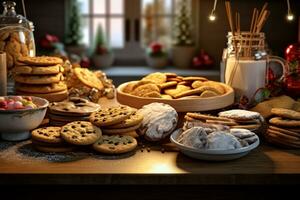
15	125
211	154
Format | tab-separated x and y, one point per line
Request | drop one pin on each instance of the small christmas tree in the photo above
101	46
183	32
74	34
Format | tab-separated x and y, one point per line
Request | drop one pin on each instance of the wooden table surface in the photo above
264	165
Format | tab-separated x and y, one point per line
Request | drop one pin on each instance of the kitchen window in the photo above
129	25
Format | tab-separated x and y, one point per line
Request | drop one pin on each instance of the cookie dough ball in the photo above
159	121
221	140
195	137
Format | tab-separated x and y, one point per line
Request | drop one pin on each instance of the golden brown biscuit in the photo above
40	61
88	78
157	78
41	89
278	121
286	113
194	78
144	89
188	93
176	91
208	93
167	85
38	70
39	79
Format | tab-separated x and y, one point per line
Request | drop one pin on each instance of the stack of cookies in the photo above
48	139
236	118
120	120
80	133
73	109
57	139
41	77
172	86
284	128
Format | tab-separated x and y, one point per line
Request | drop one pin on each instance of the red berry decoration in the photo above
156	47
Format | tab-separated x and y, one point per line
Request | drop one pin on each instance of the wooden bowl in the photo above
186	104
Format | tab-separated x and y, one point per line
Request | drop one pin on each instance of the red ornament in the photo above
292	76
202	60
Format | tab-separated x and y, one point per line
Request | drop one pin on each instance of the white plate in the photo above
210	154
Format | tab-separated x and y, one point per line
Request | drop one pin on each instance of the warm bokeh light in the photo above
290	17
212	17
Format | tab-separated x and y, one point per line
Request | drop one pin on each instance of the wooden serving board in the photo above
187	104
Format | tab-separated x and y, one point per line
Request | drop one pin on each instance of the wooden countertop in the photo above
264	165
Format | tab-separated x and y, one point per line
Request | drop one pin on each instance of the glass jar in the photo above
292	76
16	35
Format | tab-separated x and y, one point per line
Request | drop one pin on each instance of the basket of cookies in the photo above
182	93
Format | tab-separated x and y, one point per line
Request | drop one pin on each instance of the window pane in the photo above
99	6
164	30
116	32
164	7
85	30
179	2
99	22
116	7
147	30
147	7
84	6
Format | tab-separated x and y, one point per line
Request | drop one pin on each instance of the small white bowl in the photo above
15	125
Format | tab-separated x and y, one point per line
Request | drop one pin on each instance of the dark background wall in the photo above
49	17
279	32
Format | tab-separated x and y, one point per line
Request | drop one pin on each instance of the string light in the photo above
212	17
290	16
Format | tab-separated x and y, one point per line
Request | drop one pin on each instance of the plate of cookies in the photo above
182	93
213	144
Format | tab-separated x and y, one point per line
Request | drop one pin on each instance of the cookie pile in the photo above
48	139
232	118
73	109
80	133
120	120
172	86
41	77
15	44
87	84
284	128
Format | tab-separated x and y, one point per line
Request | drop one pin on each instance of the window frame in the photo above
134	12
107	16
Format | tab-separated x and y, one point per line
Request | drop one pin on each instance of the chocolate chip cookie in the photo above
80	133
111	116
115	144
47	135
